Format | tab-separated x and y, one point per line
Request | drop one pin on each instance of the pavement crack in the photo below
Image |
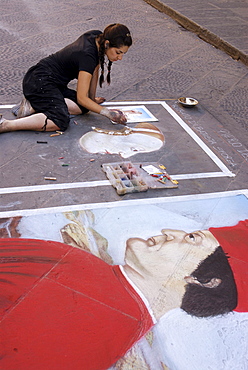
16	157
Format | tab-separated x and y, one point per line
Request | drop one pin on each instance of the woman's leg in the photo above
70	98
73	108
36	122
25	109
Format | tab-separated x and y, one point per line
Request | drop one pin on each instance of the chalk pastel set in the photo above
128	177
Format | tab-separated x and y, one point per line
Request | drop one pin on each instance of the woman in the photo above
47	97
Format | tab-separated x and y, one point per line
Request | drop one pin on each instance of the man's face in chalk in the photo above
170	251
126	146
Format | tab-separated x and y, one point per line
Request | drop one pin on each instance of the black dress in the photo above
45	84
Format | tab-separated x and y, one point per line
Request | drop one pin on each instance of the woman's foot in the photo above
23	109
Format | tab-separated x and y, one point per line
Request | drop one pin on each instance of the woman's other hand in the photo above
100	100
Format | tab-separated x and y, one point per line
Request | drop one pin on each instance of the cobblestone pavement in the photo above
222	23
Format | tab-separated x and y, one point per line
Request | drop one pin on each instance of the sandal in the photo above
25	109
15	109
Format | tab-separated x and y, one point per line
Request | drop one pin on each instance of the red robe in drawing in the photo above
63	308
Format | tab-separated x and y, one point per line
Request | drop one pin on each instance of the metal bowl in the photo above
188	102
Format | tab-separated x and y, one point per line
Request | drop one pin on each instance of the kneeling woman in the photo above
48	102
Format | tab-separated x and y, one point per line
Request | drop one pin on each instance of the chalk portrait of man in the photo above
61	306
143	138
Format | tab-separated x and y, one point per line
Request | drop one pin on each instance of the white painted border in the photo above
204	147
192	134
70	185
122	203
92	184
224	170
7	106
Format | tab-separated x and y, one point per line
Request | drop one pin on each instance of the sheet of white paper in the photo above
136	113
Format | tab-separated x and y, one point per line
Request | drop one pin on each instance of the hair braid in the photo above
101	59
109	71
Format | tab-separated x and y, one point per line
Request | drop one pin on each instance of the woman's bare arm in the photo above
86	89
83	91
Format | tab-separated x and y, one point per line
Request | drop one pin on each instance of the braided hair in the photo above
118	35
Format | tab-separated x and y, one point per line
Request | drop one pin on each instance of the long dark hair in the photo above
118	35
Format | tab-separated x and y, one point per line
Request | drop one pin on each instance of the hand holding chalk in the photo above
114	115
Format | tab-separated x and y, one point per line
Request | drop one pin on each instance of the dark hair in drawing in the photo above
211	288
118	35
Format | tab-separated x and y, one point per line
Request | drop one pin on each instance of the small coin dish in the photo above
188	102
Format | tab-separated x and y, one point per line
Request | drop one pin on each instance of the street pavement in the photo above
222	23
166	61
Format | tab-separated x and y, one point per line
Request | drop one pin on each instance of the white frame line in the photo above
191	133
70	185
225	172
122	203
204	147
7	106
92	184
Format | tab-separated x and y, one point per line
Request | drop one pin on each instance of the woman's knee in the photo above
73	108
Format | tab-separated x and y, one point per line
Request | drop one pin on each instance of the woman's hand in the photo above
114	115
100	100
